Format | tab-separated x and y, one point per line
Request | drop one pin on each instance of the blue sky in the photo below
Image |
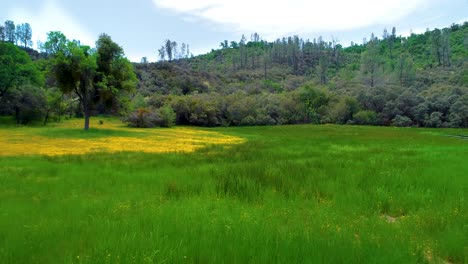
141	26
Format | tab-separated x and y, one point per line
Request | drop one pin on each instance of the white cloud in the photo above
278	17
51	17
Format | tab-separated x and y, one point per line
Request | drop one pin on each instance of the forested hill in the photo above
420	80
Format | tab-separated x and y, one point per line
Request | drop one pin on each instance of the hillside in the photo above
419	80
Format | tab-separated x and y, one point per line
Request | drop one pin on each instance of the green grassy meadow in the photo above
287	194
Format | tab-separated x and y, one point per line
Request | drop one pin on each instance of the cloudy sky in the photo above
141	26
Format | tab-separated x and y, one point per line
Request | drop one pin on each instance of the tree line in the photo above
305	105
419	80
20	34
170	51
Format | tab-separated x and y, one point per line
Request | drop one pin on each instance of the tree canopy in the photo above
16	68
101	78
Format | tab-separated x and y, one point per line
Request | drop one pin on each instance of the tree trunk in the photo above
86	123
46	117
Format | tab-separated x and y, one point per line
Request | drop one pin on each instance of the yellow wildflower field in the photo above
39	141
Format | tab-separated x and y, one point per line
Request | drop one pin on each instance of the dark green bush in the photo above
167	116
366	117
402	121
143	117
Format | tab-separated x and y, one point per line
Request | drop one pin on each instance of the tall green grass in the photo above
290	194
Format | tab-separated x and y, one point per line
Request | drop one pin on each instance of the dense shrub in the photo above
150	117
248	121
435	119
143	117
167	116
343	110
27	103
402	121
366	117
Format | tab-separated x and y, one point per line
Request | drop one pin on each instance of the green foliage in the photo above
458	116
138	101
343	111
435	119
168	116
170	78
314	81
24	34
366	117
272	86
247	121
143	117
16	68
101	79
21	94
150	117
2	33
75	69
371	62
55	105
56	42
314	101
29	103
10	31
402	121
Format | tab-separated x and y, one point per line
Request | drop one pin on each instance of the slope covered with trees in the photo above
419	80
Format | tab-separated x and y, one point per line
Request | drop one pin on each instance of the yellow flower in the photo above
26	141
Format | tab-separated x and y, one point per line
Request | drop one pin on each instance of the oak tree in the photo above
101	78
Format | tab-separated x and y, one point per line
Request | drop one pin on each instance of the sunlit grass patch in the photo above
68	138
